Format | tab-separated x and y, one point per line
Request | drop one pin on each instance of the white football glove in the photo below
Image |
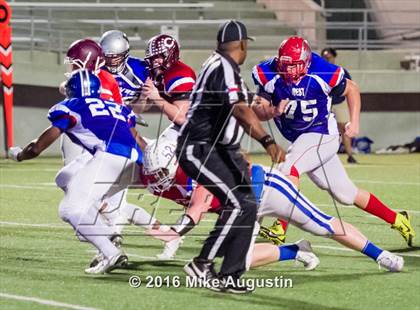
13	152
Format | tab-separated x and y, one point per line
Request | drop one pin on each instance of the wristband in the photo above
184	224
266	141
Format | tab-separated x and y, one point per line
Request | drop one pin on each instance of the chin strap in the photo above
184	224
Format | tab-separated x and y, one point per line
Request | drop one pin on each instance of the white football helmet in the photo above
160	164
115	46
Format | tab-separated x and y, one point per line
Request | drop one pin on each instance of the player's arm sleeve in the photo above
116	94
181	87
60	117
260	81
338	90
332	74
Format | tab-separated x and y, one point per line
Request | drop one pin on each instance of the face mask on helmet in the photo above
292	71
115	63
156	65
294	59
159	180
160	165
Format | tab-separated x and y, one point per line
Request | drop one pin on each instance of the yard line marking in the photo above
148	257
30	170
363	166
387	182
51	225
48	225
47	302
26	186
328	247
354	207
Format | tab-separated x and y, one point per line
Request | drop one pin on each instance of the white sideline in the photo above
47	302
386	182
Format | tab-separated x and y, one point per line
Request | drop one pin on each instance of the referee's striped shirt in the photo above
218	87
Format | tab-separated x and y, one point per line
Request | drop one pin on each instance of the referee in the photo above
208	152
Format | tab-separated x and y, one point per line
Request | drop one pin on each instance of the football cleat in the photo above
403	225
170	249
96	259
390	261
275	233
306	256
229	285
116	240
201	268
108	264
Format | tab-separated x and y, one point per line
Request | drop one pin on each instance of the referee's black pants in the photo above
225	173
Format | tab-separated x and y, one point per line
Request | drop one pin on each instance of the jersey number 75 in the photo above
308	112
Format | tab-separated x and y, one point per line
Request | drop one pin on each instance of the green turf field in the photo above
41	258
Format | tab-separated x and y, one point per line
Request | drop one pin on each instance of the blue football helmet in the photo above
83	83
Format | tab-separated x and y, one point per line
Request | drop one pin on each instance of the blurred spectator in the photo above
340	108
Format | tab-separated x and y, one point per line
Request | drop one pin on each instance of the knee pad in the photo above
63	177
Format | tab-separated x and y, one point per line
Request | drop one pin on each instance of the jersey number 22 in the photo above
105	108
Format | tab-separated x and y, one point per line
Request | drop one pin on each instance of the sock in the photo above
288	252
377	208
138	216
94	229
283	224
371	250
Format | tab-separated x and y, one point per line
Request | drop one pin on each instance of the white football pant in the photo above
316	155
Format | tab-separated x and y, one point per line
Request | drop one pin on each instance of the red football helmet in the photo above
85	54
161	46
294	58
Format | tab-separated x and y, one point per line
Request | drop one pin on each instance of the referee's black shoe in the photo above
202	269
231	285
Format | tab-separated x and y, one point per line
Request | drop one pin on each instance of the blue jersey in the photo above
131	79
96	124
309	106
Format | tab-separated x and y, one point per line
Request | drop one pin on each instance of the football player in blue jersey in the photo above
295	89
130	72
106	130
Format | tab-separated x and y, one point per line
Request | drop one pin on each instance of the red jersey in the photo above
109	87
177	82
181	191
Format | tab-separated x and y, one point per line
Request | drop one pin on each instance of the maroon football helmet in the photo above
161	46
294	59
85	54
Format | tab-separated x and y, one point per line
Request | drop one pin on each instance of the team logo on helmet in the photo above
162	46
